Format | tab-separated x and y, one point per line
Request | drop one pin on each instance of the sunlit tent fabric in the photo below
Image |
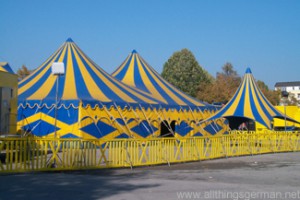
136	72
70	98
248	102
4	66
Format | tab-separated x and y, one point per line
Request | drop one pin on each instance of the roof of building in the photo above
287	84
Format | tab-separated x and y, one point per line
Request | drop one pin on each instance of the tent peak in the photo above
248	71
134	51
69	40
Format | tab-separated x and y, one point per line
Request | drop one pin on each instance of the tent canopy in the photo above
135	71
4	66
249	102
83	82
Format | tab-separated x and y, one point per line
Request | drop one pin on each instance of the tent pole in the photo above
111	116
146	119
56	102
163	121
128	129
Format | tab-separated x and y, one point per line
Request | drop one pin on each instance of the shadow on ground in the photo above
87	185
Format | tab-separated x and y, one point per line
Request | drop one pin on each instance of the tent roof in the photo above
83	81
135	71
4	66
249	102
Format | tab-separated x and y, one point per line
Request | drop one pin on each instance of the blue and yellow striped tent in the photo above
4	66
248	103
85	102
182	109
135	71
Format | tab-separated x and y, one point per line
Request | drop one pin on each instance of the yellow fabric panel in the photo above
171	94
247	103
129	76
121	68
148	83
109	83
54	56
174	88
231	110
70	85
46	87
33	81
92	87
257	105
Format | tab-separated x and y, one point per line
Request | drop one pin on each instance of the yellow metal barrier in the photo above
36	154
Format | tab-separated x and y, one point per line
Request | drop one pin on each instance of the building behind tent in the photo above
8	98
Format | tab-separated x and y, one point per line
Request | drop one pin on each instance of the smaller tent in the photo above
248	104
182	112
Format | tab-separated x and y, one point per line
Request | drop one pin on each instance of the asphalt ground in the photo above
268	176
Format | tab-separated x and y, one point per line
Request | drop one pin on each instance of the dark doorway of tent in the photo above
241	123
166	129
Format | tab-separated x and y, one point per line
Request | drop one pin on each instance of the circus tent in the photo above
248	104
5	67
136	72
85	102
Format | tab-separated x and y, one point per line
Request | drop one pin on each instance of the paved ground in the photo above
270	176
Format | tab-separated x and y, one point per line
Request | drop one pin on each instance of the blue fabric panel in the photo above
123	135
213	128
51	97
138	80
144	129
240	107
198	134
255	112
35	86
183	129
8	69
40	128
81	88
68	116
102	85
69	135
98	130
122	73
40	69
263	107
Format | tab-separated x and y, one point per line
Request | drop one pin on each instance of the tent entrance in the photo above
241	123
166	129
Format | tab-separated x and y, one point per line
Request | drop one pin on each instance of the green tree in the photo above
23	72
183	71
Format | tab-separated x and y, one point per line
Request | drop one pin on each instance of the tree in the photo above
226	84
23	72
223	88
183	71
271	95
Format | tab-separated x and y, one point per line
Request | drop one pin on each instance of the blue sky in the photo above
261	34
